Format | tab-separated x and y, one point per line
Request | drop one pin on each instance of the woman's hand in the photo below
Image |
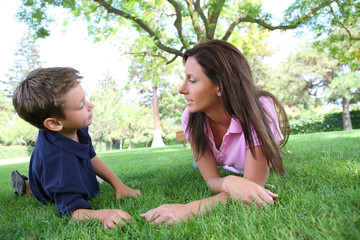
247	191
168	214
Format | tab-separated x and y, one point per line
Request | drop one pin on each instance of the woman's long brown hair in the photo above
225	65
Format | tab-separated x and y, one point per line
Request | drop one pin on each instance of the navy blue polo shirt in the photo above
61	171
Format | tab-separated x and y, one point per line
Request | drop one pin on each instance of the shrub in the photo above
323	123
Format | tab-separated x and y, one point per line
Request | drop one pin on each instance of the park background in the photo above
305	52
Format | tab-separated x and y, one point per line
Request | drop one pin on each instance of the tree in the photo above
115	119
346	86
327	17
172	104
149	68
147	73
175	25
301	79
343	45
137	121
107	103
14	130
26	59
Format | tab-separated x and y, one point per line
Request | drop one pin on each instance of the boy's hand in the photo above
109	217
125	191
112	217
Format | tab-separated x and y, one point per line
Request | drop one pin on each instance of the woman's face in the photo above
200	93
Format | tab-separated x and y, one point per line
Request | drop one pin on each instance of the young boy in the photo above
64	165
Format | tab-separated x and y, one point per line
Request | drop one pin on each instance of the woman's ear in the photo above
53	124
218	91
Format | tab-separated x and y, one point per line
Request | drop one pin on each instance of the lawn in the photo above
318	199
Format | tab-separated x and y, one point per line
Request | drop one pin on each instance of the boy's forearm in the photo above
103	171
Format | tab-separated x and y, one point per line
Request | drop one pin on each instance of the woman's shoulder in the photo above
266	100
185	116
267	104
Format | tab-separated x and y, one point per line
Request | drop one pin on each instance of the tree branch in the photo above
141	24
271	27
213	18
195	22
173	59
199	10
178	22
143	54
343	26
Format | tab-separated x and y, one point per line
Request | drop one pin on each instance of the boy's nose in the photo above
91	105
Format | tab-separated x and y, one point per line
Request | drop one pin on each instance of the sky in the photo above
72	48
94	60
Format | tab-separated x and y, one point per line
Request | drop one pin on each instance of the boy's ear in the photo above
53	124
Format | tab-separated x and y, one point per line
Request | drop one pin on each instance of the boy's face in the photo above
77	110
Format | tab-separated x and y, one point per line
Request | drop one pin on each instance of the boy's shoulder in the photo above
44	145
47	136
49	143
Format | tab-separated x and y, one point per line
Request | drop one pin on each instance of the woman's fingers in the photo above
109	224
150	215
260	197
161	215
273	195
154	218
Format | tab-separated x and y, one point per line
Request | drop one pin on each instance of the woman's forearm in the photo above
173	213
207	204
215	184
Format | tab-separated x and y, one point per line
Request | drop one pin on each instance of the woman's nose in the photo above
182	88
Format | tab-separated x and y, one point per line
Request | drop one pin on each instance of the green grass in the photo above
318	199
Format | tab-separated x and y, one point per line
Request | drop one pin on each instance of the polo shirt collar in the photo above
79	149
235	126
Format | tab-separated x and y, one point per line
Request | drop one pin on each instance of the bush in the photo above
323	123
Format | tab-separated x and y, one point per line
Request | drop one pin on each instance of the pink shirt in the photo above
232	151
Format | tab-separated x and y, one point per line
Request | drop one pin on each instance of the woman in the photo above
230	123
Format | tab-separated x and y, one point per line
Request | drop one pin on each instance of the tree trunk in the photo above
121	144
110	145
147	140
130	136
101	145
157	141
346	114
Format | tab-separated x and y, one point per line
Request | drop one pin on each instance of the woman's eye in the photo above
192	80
